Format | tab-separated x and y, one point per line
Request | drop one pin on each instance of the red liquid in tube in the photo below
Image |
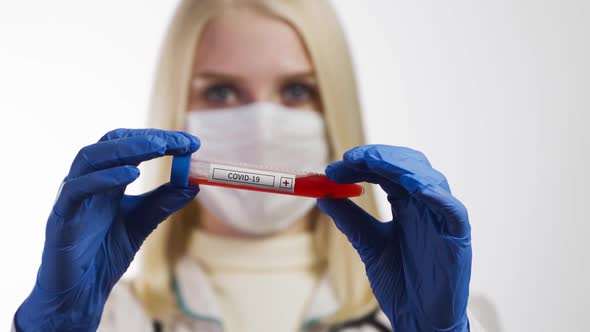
313	185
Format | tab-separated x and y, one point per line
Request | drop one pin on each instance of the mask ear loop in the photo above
180	169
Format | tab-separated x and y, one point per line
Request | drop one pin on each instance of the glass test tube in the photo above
298	183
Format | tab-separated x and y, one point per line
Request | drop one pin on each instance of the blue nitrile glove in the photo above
419	264
94	229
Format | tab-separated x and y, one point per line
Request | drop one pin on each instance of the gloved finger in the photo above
439	200
154	207
367	234
392	162
339	172
76	190
167	135
126	151
406	159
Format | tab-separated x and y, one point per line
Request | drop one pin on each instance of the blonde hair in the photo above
321	32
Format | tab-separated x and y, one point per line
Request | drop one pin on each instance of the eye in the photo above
221	94
296	93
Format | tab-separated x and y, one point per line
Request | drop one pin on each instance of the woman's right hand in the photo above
94	229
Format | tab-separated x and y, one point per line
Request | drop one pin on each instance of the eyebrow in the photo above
216	76
212	75
300	75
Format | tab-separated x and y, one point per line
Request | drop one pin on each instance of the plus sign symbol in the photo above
286	183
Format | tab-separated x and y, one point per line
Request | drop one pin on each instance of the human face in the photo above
245	56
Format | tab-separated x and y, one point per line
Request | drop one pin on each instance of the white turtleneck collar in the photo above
262	284
277	253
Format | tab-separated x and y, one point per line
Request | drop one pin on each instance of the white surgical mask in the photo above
263	134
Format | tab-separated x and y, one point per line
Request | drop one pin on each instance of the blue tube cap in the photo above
180	170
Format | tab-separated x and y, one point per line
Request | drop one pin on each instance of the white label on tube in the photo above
252	178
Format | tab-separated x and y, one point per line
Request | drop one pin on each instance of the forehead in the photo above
250	42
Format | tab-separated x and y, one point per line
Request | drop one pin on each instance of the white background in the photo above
496	93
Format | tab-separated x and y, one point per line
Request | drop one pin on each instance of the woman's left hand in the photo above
419	264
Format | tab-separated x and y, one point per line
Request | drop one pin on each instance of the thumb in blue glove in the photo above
419	264
95	230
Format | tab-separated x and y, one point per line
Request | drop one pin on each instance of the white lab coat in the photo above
201	312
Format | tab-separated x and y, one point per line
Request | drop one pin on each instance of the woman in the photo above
262	81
